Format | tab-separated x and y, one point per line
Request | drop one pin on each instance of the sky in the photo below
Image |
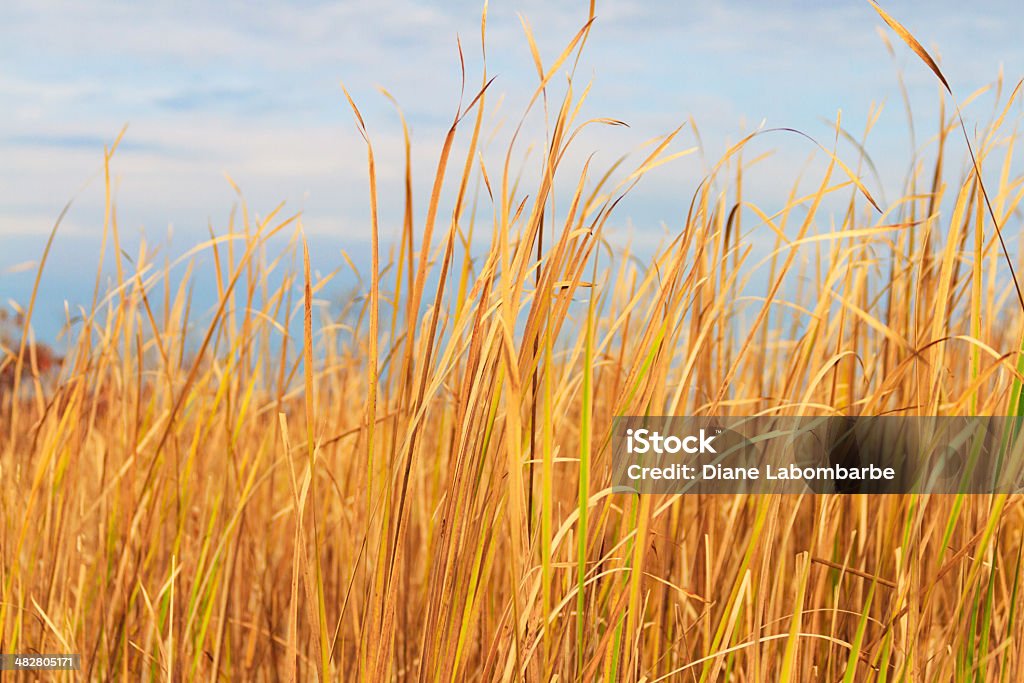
252	91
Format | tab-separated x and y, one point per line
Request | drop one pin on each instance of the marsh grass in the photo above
424	493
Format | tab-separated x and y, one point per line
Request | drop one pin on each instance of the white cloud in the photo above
252	90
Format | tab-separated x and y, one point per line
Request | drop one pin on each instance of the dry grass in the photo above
424	494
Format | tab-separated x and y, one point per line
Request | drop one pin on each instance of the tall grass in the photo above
424	493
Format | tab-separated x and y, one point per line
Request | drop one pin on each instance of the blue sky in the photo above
252	89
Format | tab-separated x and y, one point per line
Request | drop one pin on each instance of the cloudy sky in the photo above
253	90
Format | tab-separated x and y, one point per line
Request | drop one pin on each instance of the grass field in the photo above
419	489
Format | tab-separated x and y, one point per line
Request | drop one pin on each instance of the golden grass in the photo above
428	497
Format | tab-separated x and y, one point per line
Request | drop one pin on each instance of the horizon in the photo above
256	96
